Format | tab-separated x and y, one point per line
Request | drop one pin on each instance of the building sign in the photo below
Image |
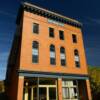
55	22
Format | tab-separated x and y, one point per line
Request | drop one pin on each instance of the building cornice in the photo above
50	15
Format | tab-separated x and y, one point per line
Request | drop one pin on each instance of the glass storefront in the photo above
40	89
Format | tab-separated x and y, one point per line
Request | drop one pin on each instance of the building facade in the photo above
47	59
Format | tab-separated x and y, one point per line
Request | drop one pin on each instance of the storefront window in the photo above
70	90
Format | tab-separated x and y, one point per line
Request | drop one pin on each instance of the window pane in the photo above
77	63
35	44
62	50
51	32
76	58
76	52
62	56
35	51
66	93
74	38
34	58
52	61
61	35
52	54
52	93
35	54
63	62
70	90
35	28
52	48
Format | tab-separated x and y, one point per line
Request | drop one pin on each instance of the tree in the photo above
94	74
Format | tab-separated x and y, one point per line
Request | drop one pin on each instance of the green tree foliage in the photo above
94	73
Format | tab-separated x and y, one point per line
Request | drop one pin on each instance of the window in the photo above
35	28
52	55
35	51
62	56
69	90
61	35
74	38
51	32
76	58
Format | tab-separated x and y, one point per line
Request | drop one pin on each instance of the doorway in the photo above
40	89
47	93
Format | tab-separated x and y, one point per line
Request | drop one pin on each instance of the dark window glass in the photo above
52	61
35	47
76	52
52	48
62	50
35	58
74	38
63	62
77	63
51	32
35	28
52	55
61	35
74	82
77	60
62	56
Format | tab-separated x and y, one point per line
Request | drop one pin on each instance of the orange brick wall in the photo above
44	42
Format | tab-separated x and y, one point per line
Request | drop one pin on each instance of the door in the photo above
47	93
52	93
42	93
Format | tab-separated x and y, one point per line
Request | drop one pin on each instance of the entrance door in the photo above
52	93
47	93
42	93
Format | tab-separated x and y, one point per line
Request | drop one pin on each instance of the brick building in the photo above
47	59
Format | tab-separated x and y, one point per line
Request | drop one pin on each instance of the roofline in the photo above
48	14
32	5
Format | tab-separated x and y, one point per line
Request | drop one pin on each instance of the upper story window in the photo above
35	28
35	52
74	38
51	32
61	35
76	58
62	56
52	55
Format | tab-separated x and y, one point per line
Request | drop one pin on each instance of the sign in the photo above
55	22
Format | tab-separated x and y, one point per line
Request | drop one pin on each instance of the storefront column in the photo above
59	89
88	90
32	93
26	94
20	88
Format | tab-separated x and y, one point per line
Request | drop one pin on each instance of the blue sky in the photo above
86	11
